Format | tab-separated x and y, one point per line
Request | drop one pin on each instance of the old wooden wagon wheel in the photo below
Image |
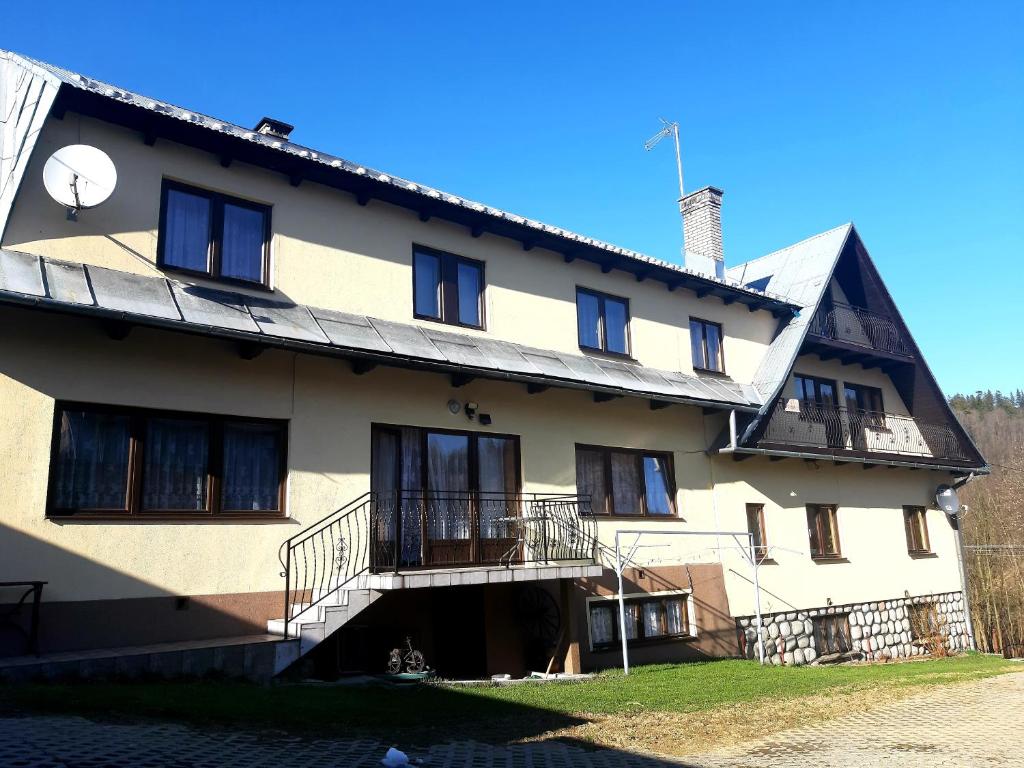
540	620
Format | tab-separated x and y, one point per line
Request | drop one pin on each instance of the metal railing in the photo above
798	423
396	530
854	325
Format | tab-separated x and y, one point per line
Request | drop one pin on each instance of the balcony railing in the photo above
801	424
853	325
416	529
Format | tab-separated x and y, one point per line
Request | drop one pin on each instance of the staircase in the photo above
343	563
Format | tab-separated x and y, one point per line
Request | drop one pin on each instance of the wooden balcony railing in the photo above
854	325
800	424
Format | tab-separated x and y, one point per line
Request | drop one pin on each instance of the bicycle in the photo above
413	659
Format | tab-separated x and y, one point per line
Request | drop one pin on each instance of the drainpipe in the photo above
962	560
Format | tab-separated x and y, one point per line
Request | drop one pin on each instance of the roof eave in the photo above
153	126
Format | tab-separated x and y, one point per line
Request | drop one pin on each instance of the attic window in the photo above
213	235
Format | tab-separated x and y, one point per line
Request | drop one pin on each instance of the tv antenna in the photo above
670	129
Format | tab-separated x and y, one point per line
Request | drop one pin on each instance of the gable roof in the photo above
28	280
156	118
802	273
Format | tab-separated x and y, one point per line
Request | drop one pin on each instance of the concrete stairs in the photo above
312	624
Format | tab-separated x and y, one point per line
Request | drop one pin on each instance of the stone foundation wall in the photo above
878	630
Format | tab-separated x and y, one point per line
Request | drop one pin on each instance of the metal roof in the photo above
428	200
79	289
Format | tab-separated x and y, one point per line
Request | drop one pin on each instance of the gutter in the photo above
734	449
391	360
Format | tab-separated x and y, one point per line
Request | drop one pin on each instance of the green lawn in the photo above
505	713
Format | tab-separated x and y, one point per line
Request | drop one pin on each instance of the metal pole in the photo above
679	158
757	599
622	607
963	579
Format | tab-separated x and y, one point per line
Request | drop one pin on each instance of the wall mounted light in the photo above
454	406
471	409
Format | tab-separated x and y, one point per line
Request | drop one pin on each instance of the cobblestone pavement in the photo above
978	724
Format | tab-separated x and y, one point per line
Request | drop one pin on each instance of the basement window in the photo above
447	288
832	634
649	619
213	235
128	462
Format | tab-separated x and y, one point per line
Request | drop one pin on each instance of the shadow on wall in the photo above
86	624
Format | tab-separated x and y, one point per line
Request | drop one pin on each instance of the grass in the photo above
732	697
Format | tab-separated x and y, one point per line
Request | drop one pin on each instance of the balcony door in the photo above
819	402
455	494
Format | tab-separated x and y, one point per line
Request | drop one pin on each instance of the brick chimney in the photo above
702	231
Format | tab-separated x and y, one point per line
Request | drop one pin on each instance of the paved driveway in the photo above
968	726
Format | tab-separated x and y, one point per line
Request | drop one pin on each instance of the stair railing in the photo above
325	556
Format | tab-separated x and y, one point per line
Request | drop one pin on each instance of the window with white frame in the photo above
649	618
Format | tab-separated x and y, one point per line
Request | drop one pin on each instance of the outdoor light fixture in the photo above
454	406
471	409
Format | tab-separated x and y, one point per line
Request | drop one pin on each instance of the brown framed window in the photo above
915	524
832	634
602	321
626	481
648	619
823	531
706	345
132	462
865	403
447	288
755	525
213	235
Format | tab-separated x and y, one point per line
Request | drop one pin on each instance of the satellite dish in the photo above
948	501
79	176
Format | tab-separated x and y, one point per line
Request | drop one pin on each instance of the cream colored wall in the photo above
870	503
328	251
330	412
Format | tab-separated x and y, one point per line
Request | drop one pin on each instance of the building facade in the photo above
262	389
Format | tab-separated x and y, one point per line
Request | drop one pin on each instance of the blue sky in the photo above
906	118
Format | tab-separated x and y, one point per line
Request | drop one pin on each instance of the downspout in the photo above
962	560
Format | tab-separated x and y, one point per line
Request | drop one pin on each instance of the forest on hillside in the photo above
994	523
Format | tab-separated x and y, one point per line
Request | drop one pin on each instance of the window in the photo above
823	531
624	481
755	524
865	405
814	391
127	461
648	618
210	234
915	523
706	345
832	634
602	321
447	288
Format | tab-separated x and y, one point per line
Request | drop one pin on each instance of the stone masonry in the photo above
878	630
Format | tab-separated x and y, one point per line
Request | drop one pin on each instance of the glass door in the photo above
498	499
449	509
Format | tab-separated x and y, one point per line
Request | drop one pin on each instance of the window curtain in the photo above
176	465
252	467
187	231
654	619
656	483
626	488
713	341
675	623
242	246
590	479
412	497
632	620
615	325
427	288
448	485
602	625
469	293
496	461
92	461
697	344
589	320
384	477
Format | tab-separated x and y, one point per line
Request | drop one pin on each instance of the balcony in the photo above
832	430
856	335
